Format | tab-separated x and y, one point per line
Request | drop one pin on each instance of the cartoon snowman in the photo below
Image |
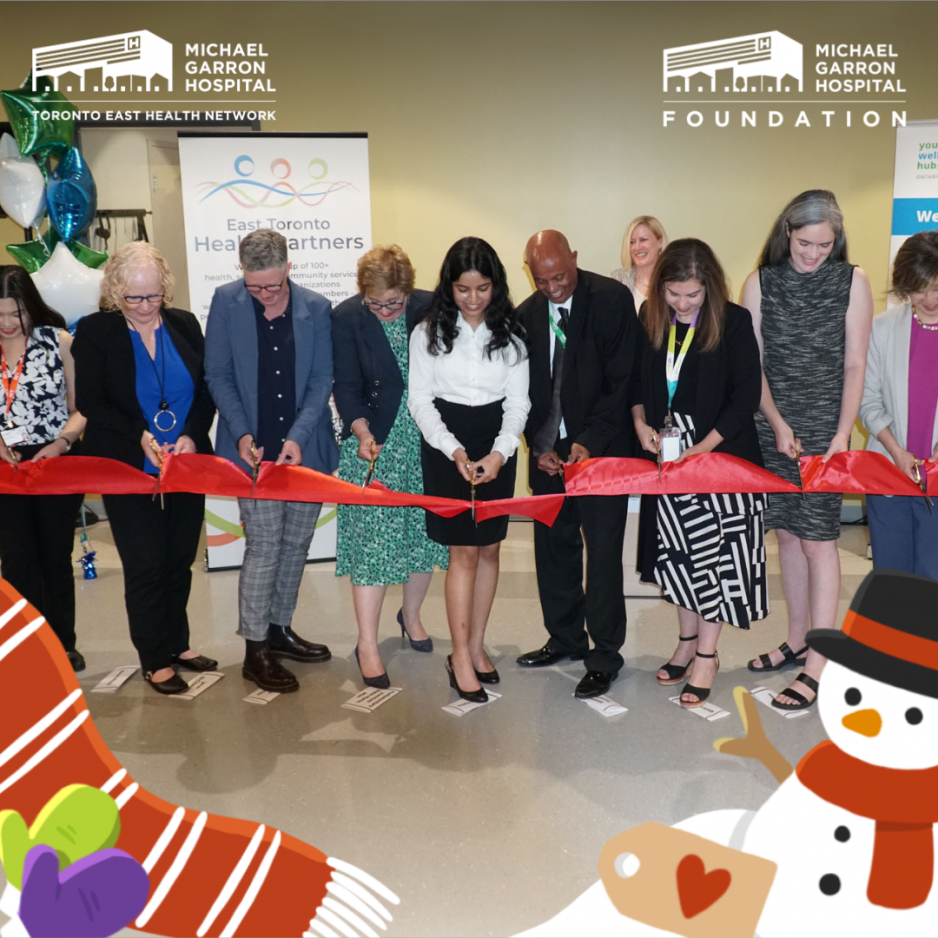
852	829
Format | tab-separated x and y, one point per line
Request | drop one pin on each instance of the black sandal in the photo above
791	658
701	693
802	702
676	672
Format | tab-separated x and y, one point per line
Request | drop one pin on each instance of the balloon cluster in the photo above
42	173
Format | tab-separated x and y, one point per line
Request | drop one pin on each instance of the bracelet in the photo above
68	442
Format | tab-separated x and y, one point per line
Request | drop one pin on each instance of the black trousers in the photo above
37	533
572	616
157	548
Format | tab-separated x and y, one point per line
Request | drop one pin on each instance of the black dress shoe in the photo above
261	667
172	685
382	681
595	684
473	696
76	660
198	663
487	677
543	657
285	643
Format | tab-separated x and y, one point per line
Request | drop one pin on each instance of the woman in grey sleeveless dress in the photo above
812	312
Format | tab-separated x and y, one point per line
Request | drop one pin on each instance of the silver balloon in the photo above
22	188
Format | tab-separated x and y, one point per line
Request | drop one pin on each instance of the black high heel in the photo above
473	696
418	644
676	672
701	693
382	681
487	677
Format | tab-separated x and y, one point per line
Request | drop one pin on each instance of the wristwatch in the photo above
68	442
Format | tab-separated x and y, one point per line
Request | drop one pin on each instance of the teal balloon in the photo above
71	195
36	134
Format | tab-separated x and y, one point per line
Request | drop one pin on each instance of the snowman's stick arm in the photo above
755	745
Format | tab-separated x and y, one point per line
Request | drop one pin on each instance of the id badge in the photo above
671	444
15	436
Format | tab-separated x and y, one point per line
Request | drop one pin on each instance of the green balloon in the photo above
31	255
78	821
43	121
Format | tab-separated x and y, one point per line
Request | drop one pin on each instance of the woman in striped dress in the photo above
812	313
700	381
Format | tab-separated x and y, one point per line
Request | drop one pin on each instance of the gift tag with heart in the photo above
77	821
683	883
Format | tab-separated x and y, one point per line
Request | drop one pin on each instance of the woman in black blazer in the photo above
698	387
379	546
139	383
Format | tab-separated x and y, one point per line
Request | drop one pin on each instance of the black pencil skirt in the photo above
476	428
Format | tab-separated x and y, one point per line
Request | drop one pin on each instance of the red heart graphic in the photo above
697	889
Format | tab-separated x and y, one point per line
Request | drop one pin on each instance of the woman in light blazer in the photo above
900	408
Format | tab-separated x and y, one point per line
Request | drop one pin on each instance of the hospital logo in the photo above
136	61
763	62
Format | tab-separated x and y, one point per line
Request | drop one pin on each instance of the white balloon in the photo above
68	286
22	188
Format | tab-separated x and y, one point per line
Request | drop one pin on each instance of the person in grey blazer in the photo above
900	408
268	363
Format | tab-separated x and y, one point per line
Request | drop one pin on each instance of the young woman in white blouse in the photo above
468	393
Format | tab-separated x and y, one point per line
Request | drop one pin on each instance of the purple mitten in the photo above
93	898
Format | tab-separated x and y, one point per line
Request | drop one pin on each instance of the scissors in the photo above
922	482
371	466
794	440
159	476
472	490
257	467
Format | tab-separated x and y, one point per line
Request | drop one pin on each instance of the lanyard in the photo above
11	384
561	337
164	410
672	367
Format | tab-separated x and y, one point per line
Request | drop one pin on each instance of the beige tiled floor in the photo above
484	825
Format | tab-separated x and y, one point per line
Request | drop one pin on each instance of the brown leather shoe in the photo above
285	643
261	667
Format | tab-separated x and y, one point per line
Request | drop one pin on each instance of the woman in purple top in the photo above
900	408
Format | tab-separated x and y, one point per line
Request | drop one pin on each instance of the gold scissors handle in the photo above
794	440
257	467
159	476
371	465
472	490
922	482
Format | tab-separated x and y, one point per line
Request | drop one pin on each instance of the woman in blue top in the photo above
139	382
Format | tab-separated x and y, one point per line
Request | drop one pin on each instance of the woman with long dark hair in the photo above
812	312
700	386
39	421
468	394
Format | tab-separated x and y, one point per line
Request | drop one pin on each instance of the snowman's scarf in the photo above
904	804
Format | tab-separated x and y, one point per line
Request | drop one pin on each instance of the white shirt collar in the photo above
555	308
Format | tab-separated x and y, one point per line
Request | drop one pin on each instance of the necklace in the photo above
924	325
164	412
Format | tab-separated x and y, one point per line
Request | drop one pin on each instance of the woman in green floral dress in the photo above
378	546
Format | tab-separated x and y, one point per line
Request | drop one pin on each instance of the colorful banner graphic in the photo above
313	189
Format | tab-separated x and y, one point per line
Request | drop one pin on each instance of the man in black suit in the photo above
581	330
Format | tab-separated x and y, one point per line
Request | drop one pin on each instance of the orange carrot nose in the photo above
864	722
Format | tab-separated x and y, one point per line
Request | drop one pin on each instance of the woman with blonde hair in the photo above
642	245
140	384
380	546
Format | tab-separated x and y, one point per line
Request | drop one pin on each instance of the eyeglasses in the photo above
381	307
139	300
266	287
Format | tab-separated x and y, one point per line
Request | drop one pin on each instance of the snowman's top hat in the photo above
890	633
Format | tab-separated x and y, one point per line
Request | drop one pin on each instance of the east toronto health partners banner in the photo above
915	190
313	189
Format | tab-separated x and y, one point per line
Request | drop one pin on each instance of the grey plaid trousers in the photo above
277	539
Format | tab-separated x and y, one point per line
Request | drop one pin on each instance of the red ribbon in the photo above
854	472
